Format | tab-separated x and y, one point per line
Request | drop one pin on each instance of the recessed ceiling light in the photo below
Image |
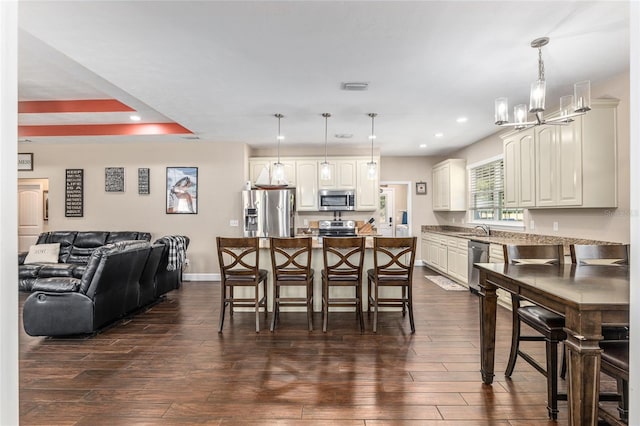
355	85
191	137
438	135
343	135
134	117
423	145
461	119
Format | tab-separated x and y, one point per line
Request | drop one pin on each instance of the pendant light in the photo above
278	168
372	167
570	105
325	167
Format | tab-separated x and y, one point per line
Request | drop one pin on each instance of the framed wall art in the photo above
143	181
114	179
25	161
45	205
182	190
421	188
74	193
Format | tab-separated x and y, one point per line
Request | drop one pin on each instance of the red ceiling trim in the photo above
81	105
103	129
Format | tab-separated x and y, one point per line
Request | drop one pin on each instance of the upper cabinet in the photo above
572	165
449	185
304	174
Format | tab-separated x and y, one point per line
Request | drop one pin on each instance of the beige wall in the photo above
221	173
598	224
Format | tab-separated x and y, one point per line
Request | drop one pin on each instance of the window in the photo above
486	194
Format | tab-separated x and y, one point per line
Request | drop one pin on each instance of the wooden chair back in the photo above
238	257
343	257
613	254
290	257
394	257
551	254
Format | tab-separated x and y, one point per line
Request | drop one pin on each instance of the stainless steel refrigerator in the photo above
269	212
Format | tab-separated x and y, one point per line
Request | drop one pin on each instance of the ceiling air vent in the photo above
355	86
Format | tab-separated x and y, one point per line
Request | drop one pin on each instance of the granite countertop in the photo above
507	237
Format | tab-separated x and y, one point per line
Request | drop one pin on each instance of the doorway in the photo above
394	218
32	211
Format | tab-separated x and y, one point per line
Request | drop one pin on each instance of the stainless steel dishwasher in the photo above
478	252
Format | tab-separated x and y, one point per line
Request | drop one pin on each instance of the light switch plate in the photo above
555	226
233	222
532	225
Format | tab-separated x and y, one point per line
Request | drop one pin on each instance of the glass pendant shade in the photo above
278	172
566	105
536	99
325	171
501	111
520	115
372	170
582	94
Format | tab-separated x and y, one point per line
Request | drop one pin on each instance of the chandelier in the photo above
570	105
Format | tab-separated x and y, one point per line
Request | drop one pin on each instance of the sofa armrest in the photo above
57	314
56	285
22	256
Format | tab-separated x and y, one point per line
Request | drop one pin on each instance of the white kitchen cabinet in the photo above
457	254
307	185
447	255
519	168
449	185
367	190
424	249
256	165
343	174
574	165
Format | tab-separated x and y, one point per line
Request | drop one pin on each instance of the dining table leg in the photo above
488	304
583	366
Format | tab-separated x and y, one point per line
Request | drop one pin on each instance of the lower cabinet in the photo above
447	255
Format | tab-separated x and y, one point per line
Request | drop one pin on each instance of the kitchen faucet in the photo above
485	228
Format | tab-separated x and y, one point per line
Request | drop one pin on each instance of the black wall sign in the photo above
74	193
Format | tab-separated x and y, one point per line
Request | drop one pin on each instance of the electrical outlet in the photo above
306	222
532	225
555	226
453	220
233	222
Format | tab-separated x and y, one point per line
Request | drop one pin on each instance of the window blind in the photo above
486	186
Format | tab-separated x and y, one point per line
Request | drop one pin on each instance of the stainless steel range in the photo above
337	228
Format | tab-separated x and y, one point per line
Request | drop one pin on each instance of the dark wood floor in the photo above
169	366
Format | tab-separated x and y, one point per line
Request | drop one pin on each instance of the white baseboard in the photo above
201	277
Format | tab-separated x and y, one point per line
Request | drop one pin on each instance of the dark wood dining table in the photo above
587	295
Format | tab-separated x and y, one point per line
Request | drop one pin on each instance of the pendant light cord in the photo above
326	116
279	116
372	115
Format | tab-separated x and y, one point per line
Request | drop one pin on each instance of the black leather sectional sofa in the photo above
101	277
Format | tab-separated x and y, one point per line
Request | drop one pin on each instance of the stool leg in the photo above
359	306
310	304
623	405
257	306
552	378
515	342
375	308
223	304
276	305
410	308
325	305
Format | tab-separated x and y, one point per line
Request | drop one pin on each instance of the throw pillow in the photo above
43	253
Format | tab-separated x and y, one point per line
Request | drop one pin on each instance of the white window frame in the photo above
507	224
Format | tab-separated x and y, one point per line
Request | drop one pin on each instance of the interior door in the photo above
30	219
386	225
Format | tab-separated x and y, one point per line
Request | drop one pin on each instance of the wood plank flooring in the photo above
169	366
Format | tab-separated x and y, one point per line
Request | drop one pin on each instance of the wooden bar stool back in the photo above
239	260
393	260
343	259
609	254
549	325
291	267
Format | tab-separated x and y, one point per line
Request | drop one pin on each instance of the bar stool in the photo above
291	266
343	260
239	259
393	260
549	325
615	363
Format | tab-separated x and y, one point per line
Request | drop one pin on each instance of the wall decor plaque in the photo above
114	179
143	181
74	193
25	161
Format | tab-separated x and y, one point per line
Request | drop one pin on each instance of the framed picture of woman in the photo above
182	190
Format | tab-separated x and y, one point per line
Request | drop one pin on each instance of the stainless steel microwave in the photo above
336	200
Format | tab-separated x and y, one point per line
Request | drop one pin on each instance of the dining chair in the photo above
343	259
614	362
239	260
548	325
393	260
291	267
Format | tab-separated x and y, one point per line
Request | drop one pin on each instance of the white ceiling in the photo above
223	68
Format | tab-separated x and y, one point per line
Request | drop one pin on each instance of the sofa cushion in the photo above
43	253
65	238
29	271
121	236
84	244
57	270
56	285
